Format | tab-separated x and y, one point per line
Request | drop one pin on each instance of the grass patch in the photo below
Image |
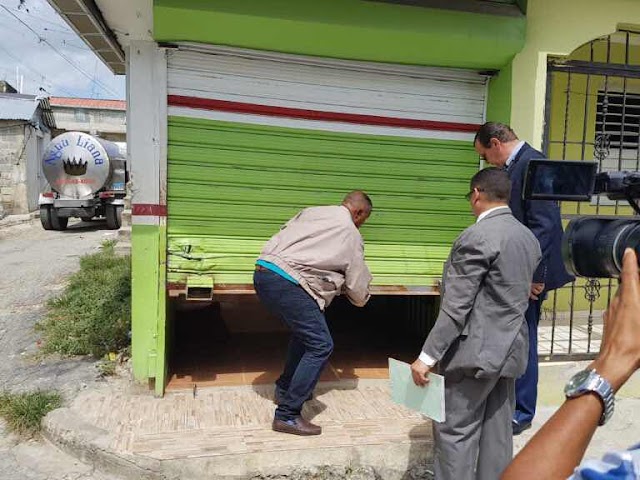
93	315
24	412
106	368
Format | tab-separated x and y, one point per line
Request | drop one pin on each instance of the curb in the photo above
122	248
91	445
13	220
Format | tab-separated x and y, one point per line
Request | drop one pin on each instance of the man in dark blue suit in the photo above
499	145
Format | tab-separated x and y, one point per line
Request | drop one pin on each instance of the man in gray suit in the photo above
480	339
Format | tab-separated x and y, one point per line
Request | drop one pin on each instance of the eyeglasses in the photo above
475	189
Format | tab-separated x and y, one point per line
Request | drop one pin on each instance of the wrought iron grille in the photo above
593	114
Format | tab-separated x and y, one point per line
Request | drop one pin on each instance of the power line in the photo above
51	19
37	74
60	24
95	71
54	30
44	40
32	70
77	47
65	42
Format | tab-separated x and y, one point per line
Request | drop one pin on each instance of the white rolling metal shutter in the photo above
437	101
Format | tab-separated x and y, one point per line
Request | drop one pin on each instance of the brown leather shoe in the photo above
297	426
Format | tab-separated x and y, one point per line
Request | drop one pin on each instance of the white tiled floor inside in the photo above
565	340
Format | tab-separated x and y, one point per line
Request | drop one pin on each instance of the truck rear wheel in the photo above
57	222
114	216
45	217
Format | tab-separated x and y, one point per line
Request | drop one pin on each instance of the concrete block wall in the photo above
12	169
108	124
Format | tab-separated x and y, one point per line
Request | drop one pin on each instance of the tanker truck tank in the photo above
87	176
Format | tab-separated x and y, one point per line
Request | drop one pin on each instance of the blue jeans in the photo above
527	384
309	347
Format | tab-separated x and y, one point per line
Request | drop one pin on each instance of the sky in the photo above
69	69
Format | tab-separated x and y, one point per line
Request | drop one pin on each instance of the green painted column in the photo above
162	338
146	299
499	98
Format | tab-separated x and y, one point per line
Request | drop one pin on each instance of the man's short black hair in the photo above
359	198
496	130
494	183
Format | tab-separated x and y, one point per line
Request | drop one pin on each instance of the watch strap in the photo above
591	381
604	390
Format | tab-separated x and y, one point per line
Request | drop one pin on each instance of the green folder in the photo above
428	400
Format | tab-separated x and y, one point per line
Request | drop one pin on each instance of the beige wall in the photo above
108	124
21	178
11	144
557	27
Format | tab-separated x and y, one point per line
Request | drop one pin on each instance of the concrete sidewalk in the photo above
224	432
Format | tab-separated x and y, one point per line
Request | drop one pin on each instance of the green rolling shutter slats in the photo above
232	185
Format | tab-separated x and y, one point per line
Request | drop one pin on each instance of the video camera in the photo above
592	246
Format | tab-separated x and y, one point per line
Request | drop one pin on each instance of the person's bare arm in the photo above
557	449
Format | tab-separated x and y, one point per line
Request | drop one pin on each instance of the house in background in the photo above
26	123
103	118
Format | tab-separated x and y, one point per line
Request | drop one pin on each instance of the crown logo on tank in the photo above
75	167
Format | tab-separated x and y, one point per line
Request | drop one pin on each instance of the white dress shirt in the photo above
487	212
513	154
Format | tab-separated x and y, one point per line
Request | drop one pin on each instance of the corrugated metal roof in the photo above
88	103
17	107
47	114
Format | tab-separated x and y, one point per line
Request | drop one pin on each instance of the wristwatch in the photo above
588	381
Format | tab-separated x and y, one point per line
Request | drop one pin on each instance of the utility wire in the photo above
51	19
77	47
62	32
38	74
65	42
44	40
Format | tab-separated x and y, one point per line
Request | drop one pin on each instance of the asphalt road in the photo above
34	265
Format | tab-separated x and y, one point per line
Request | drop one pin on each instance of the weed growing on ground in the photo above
106	368
93	315
23	412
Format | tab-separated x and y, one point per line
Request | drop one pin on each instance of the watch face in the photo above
577	381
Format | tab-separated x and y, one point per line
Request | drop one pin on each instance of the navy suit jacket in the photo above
542	217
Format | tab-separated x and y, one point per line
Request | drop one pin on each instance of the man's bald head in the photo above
359	205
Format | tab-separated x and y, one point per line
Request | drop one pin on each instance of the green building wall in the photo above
347	29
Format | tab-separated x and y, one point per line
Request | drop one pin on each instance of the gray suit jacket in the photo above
480	330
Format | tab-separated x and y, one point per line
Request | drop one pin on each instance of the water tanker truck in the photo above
87	177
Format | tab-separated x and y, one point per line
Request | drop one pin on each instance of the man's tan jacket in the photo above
323	250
